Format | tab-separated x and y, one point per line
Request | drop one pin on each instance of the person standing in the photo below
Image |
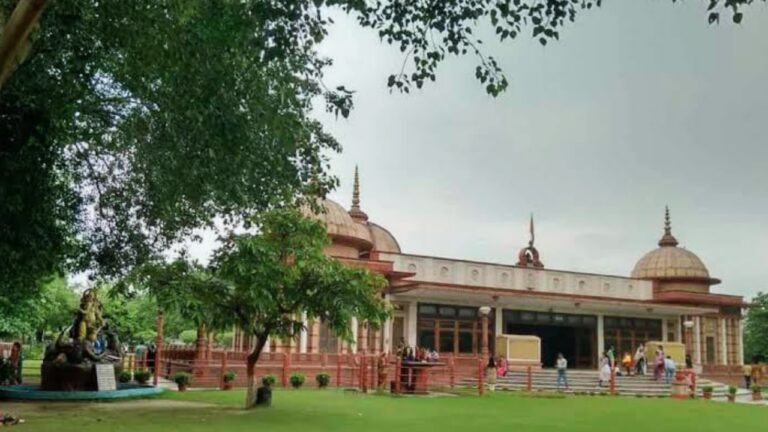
658	364
490	373
669	369
562	368
746	370
605	370
611	356
640	360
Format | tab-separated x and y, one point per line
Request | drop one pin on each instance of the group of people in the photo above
662	365
754	372
418	354
496	367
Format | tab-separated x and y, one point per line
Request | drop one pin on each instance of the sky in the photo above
641	104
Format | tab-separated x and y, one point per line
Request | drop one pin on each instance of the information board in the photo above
105	377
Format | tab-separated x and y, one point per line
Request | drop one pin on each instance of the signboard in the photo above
105	377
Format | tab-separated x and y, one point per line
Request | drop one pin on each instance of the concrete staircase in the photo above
586	381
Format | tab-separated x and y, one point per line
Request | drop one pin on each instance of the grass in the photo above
331	410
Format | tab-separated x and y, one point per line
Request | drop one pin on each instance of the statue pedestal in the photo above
57	376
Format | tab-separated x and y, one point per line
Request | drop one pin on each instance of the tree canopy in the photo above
756	328
130	124
267	282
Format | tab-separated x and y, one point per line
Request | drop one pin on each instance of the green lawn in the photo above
330	410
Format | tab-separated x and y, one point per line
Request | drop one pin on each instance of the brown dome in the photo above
341	227
383	240
669	262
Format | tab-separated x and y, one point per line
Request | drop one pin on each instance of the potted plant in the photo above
732	393
268	380
182	379
124	377
297	380
706	391
141	376
757	392
323	379
229	377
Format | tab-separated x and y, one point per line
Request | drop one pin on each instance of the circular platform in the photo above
29	392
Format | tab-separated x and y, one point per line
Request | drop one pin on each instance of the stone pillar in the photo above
303	334
679	329
413	315
499	327
353	345
484	311
740	342
363	348
600	337
697	340
664	330
387	334
723	342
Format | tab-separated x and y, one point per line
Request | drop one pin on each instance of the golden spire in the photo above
667	239
356	213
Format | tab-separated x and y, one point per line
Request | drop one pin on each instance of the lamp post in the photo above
484	312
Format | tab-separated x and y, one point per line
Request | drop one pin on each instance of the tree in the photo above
129	124
756	328
271	278
51	309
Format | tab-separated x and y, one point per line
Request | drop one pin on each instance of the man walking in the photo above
562	367
669	369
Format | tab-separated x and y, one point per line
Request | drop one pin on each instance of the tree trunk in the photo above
253	357
14	39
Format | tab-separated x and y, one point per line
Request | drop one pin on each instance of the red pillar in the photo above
529	379
286	365
484	348
338	370
480	383
158	348
452	370
223	366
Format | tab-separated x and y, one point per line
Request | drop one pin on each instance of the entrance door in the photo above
710	350
398	332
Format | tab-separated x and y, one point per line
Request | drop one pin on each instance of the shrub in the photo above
268	380
224	339
182	378
188	336
229	376
707	389
297	380
141	376
732	390
323	379
124	377
756	388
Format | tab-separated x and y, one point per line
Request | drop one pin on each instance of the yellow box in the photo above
519	349
675	350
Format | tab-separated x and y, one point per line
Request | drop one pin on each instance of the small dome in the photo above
383	240
342	227
670	262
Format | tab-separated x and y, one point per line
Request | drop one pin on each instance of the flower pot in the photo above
707	395
756	396
227	385
731	398
182	387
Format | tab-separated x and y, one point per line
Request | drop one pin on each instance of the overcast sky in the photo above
641	104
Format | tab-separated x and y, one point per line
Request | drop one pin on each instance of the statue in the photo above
69	362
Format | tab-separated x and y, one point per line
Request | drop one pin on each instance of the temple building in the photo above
443	303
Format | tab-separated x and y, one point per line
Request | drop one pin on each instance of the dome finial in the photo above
533	236
529	256
355	211
667	239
